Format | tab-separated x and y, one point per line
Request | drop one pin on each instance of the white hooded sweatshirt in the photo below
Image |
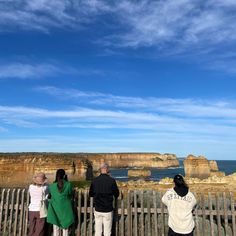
180	211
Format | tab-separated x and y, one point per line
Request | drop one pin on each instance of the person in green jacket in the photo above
60	212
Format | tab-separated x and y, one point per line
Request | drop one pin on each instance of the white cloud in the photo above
195	108
27	71
22	70
142	23
180	28
162	120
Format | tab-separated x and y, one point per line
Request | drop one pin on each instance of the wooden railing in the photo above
137	213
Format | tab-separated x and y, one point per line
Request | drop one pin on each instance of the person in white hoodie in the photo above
180	203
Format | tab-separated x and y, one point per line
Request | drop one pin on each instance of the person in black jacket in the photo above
103	189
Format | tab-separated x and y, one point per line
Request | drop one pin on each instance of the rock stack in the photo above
200	167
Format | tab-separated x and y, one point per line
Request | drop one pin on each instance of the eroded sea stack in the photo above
200	167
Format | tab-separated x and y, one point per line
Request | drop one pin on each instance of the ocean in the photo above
228	167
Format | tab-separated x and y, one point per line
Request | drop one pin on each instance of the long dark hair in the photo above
179	182
60	176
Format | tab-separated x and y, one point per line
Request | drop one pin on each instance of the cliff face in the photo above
200	167
124	160
20	167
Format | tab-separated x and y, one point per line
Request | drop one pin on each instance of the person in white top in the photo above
180	203
38	191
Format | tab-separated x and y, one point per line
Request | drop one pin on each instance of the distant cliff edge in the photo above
19	167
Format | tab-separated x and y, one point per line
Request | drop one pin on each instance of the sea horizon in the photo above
121	174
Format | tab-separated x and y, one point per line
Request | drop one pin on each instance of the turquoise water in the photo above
228	167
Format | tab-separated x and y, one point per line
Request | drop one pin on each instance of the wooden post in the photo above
21	211
135	214
203	214
16	212
1	208
142	214
196	216
233	213
155	213
122	219
225	213
149	214
162	218
116	217
26	214
6	207
129	215
85	212
11	211
218	214
79	214
91	217
211	215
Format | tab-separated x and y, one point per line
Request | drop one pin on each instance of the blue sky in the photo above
118	76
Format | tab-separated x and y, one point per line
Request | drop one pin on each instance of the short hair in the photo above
104	166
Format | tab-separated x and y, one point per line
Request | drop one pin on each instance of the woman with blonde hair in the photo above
37	191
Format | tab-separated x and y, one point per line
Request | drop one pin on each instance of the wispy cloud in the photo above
169	115
144	22
197	108
24	70
172	28
27	71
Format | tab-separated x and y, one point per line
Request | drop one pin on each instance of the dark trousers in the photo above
172	233
36	224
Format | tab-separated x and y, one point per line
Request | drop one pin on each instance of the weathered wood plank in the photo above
211	215
6	212
135	214
162	218
129	214
11	211
79	213
91	217
203	214
142	213
225	213
155	212
2	207
122	217
232	205
218	214
149	230
197	218
21	212
85	213
26	214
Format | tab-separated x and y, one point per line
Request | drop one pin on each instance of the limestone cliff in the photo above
20	167
124	160
200	167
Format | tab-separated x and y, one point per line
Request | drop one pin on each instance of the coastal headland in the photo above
202	175
18	168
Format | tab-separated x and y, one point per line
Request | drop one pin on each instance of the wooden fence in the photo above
137	213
